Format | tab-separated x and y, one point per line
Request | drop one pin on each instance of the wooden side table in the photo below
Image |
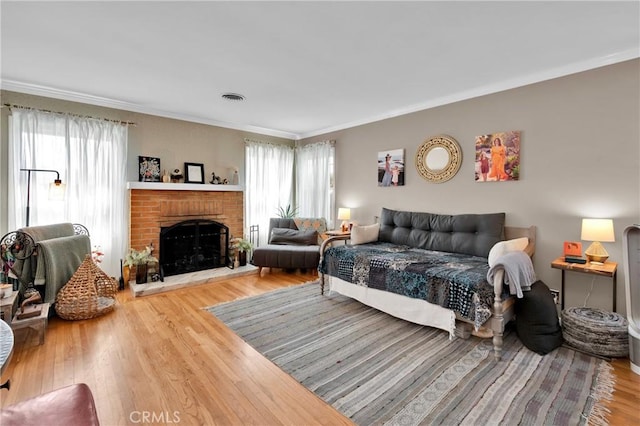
608	269
8	306
38	323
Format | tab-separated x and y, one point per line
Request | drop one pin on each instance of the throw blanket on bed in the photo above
518	271
453	281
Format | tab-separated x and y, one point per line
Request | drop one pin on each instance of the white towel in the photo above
518	272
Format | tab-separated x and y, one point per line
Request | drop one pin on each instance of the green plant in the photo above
288	212
241	244
135	257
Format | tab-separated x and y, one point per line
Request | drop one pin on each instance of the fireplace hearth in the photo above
193	245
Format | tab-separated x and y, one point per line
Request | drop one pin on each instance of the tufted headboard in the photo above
472	234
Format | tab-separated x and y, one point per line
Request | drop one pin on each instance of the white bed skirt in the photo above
403	307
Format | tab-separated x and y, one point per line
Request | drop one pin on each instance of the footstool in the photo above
596	331
69	406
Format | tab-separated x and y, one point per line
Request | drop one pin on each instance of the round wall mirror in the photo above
438	159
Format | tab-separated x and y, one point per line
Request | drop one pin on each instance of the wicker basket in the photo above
88	294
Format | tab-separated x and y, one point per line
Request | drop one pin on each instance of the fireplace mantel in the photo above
158	186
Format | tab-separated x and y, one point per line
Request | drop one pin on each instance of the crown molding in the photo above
526	80
545	75
49	92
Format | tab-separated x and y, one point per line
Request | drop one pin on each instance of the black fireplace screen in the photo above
193	245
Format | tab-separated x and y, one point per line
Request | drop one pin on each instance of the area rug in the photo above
377	369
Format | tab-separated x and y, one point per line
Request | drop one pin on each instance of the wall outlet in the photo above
556	296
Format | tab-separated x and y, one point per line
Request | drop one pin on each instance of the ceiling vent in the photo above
233	97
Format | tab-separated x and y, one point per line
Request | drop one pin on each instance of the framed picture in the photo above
193	173
572	248
498	157
391	167
149	169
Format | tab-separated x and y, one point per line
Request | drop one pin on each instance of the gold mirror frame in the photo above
450	145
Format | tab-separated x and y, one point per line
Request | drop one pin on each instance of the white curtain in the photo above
315	195
90	155
269	183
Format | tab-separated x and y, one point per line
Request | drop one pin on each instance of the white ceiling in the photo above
306	68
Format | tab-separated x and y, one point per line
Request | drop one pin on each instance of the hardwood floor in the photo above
166	358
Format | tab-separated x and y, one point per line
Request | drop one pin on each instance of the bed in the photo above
431	269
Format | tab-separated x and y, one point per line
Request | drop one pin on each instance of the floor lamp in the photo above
56	188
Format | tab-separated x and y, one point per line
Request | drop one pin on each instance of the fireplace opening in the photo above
193	245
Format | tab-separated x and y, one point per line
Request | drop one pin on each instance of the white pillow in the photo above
504	247
361	234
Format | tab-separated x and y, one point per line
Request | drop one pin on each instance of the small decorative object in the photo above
214	179
165	177
194	173
149	169
176	176
235	179
391	167
498	157
140	259
241	246
438	159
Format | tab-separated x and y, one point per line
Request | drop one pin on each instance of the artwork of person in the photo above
498	158
395	173
484	165
386	179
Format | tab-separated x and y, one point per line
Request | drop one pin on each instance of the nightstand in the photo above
608	269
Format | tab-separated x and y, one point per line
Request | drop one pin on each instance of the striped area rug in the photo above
377	369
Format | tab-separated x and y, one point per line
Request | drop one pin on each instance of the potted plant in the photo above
241	246
140	259
288	212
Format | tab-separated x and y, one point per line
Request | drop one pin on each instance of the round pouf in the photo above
596	331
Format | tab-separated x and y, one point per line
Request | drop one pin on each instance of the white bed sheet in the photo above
403	307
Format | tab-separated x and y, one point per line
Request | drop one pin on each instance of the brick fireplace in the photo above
151	209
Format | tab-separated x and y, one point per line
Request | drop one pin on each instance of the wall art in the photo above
498	157
193	173
149	169
391	167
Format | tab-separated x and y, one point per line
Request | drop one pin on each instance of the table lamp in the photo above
597	230
344	215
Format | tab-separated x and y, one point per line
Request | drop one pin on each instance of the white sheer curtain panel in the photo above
90	155
269	183
315	194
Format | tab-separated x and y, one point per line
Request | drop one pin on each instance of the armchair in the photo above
293	244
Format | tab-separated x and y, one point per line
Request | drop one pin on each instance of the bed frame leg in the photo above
497	345
322	284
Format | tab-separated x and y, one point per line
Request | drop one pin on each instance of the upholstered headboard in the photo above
472	234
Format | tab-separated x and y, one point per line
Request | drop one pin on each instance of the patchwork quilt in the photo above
451	280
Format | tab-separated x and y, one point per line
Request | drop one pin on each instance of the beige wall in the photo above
580	158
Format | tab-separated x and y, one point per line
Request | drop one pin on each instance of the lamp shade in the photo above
344	213
597	230
56	190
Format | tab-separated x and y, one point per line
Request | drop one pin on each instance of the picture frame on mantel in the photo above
193	173
148	169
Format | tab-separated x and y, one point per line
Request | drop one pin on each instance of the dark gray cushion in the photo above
472	234
537	322
287	256
293	237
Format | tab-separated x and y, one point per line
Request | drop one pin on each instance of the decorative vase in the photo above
126	274
242	258
141	273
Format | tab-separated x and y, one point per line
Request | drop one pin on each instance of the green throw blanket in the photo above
60	257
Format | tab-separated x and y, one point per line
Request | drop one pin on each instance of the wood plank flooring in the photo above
162	359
